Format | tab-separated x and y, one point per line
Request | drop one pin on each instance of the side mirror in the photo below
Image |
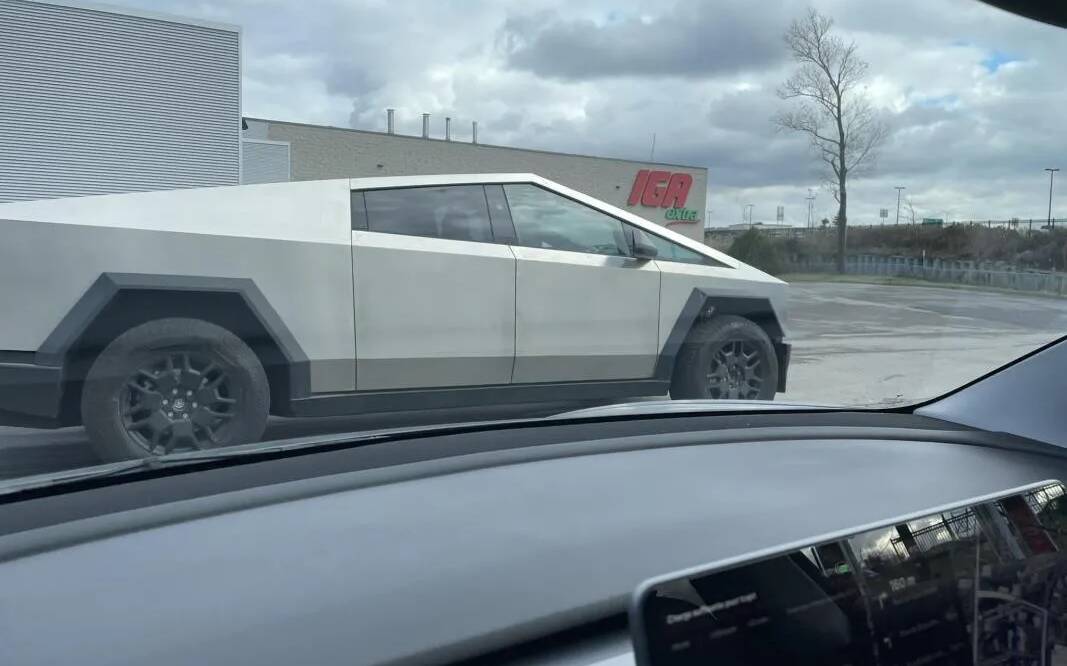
642	247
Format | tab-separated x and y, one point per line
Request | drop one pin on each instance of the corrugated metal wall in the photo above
93	102
264	161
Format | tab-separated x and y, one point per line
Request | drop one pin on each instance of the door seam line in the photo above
515	314
355	336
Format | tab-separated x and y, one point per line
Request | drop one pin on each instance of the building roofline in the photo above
103	7
475	145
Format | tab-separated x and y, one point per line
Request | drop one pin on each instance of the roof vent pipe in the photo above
390	126
426	126
474	131
448	129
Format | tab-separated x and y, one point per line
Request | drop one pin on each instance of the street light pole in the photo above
898	188
1051	174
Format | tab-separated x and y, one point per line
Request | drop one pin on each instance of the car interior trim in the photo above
27	540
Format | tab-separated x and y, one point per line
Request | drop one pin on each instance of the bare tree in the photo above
831	108
909	206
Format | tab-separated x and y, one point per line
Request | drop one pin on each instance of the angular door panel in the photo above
432	312
584	317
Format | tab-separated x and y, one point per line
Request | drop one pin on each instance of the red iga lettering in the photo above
638	188
677	190
655	188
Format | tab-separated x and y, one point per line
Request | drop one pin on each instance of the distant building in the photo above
769	227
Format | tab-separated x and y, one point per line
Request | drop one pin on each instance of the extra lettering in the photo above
681	214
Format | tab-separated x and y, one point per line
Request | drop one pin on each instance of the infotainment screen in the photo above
984	583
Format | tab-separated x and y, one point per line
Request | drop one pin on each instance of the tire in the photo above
171	385
714	362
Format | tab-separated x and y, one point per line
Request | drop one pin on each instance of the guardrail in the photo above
971	273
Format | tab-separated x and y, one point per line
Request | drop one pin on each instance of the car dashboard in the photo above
457	546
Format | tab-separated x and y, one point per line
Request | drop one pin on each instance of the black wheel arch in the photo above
703	305
116	302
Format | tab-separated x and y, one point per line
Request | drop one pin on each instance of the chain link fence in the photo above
974	273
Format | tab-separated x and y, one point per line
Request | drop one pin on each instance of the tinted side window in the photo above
671	251
545	219
458	212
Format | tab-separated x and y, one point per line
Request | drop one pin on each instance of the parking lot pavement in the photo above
861	344
852	344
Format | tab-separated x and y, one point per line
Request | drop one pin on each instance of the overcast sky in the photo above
975	98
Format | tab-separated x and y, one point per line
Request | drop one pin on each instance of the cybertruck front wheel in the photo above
726	358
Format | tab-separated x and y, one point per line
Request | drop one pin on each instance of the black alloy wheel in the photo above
736	371
179	400
726	358
173	385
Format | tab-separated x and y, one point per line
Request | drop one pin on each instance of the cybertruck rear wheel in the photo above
726	358
174	385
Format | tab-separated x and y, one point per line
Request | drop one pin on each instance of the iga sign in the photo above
663	189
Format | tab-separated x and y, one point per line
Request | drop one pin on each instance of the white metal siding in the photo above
94	102
264	161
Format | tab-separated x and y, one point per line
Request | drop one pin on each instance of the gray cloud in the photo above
692	39
600	76
351	78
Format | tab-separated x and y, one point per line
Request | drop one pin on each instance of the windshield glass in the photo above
227	223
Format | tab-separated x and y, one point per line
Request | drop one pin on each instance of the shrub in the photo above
755	249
